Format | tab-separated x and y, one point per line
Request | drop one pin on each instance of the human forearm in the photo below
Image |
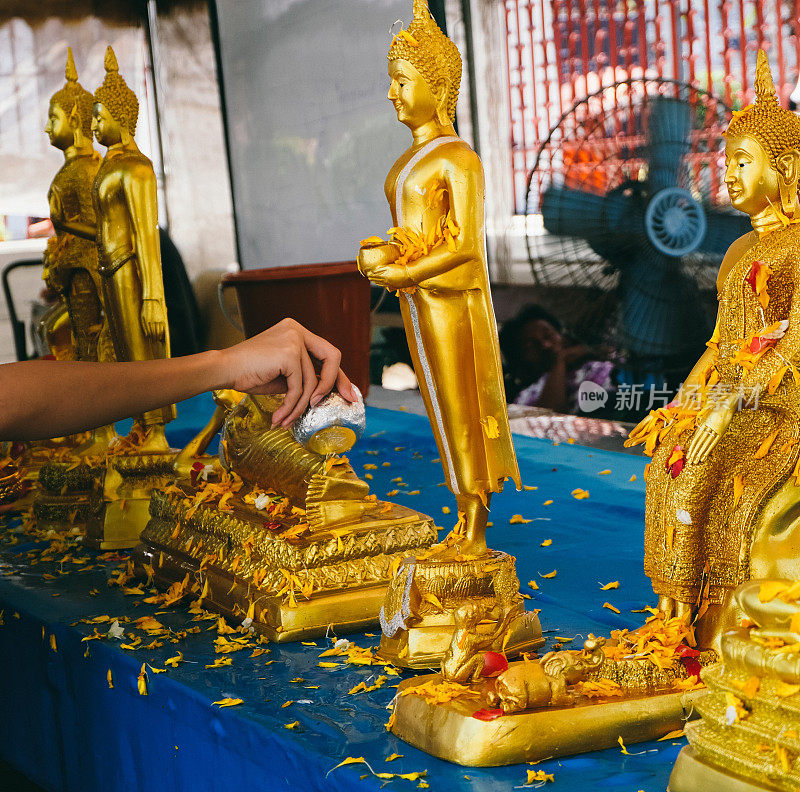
554	392
42	399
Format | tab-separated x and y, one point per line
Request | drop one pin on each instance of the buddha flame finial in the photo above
73	97
70	72
115	95
764	84
430	52
110	61
421	10
774	127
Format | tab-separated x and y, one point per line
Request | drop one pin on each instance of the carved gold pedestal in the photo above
418	616
65	494
692	774
450	731
294	583
122	508
754	744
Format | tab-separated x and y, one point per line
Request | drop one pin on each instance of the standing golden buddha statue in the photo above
722	489
126	234
71	263
126	206
436	259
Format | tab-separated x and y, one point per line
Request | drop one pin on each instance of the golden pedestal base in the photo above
65	494
762	742
424	645
692	774
418	617
122	510
449	731
293	587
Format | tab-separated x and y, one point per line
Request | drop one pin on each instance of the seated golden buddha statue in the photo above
436	258
723	501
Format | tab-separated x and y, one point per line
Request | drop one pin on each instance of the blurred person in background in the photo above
544	367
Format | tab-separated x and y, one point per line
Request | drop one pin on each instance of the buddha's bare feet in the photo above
473	545
666	605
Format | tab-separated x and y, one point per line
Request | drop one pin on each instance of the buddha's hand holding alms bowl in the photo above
374	257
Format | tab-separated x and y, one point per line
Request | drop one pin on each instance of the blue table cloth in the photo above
63	725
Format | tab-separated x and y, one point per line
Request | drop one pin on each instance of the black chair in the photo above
17	326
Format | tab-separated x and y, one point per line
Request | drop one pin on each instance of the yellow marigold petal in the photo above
610	607
490	427
770	589
551	574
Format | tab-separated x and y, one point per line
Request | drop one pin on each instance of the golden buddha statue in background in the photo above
722	490
436	259
71	263
126	208
126	205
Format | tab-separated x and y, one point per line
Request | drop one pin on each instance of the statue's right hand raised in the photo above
708	433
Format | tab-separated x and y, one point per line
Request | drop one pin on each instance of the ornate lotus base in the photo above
65	494
749	725
294	585
691	774
450	731
418	616
118	516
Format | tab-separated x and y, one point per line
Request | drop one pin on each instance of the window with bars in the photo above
561	51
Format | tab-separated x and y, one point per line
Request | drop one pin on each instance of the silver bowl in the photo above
333	426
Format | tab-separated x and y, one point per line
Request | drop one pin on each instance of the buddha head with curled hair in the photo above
421	57
116	108
70	112
762	152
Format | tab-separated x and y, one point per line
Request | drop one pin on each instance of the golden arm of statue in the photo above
139	184
75	227
199	443
225	399
463	176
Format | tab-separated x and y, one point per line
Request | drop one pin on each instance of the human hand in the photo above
281	360
708	433
154	323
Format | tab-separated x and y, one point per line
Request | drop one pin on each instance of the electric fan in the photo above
629	218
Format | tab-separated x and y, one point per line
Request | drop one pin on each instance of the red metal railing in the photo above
559	51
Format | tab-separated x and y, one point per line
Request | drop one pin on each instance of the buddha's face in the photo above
750	176
105	127
58	128
411	96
